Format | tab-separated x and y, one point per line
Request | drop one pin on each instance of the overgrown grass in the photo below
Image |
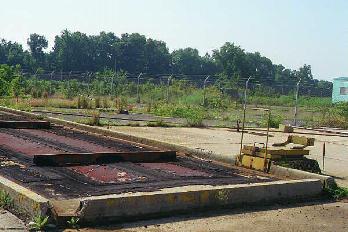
186	101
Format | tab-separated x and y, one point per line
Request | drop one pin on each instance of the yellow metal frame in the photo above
255	162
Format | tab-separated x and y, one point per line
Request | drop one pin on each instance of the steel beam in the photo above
25	124
66	159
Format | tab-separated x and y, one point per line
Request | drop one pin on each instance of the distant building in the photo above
340	90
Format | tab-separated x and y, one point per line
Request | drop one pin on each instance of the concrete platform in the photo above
186	189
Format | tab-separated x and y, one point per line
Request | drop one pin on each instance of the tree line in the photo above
134	53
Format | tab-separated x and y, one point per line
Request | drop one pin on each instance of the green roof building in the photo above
340	90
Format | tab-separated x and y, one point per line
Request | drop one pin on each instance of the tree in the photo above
16	88
37	43
74	52
131	53
232	61
157	57
187	61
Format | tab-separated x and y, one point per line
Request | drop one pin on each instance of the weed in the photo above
6	201
336	192
106	103
39	223
84	102
73	223
95	120
97	102
274	120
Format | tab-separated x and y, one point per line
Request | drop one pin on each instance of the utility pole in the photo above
296	101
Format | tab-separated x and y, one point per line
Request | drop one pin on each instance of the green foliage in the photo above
74	223
193	114
95	118
274	120
71	88
6	201
38	223
15	87
336	192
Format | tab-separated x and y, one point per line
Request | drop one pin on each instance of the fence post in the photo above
324	153
244	112
296	101
51	81
168	83
138	83
112	83
204	90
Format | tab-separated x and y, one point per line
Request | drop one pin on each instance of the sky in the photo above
289	32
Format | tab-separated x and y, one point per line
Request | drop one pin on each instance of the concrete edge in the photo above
166	202
24	200
327	181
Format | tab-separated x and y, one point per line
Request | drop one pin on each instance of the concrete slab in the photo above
167	199
23	199
9	222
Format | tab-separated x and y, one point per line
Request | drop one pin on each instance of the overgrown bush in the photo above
274	120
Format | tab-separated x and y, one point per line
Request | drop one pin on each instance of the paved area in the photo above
287	218
227	142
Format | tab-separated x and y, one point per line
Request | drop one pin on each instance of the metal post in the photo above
87	80
69	79
296	101
168	82
324	153
204	91
244	111
112	83
51	81
138	83
266	149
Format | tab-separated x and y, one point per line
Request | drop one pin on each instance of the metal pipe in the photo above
266	149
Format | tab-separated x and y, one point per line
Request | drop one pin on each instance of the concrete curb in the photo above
327	181
25	200
132	206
